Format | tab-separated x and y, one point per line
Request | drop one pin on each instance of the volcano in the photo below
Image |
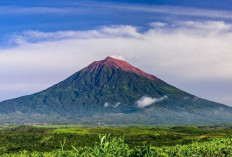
112	91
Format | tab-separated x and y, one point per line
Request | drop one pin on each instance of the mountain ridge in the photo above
82	99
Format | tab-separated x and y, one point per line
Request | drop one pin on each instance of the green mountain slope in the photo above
112	91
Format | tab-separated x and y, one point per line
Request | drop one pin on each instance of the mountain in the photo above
112	91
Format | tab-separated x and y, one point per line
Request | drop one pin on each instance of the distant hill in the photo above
112	91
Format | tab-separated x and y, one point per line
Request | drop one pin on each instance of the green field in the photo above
126	141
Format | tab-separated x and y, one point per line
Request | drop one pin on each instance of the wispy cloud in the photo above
103	32
89	7
7	10
185	11
158	24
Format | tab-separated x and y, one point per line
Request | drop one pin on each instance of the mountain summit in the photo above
111	62
112	91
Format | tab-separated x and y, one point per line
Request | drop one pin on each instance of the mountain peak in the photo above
109	58
109	88
117	63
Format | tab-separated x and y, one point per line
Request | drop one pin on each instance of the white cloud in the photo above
104	32
118	57
147	101
185	52
120	31
213	26
158	24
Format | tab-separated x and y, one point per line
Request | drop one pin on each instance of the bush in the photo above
116	147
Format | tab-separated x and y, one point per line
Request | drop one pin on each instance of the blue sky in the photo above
184	42
17	16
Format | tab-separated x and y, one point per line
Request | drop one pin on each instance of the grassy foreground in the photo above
73	141
116	147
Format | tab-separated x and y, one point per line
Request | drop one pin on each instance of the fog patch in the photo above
112	105
195	99
117	104
147	101
106	104
186	97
